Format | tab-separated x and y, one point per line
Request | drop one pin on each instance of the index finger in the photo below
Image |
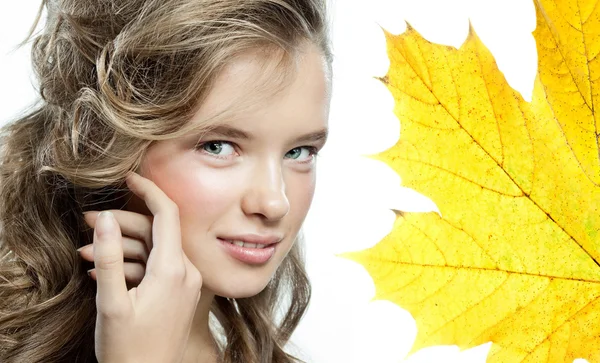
111	294
166	229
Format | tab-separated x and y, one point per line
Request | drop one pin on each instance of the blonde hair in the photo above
115	76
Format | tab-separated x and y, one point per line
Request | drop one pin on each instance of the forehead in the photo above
265	82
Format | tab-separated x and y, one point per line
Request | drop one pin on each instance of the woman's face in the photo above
252	179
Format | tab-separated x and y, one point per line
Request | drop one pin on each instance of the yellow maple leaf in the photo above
514	257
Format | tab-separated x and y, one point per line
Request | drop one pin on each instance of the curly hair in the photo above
115	76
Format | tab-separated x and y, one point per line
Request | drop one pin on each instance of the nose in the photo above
266	193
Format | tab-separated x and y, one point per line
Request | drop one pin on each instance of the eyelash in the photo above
313	151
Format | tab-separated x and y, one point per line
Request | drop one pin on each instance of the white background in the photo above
351	209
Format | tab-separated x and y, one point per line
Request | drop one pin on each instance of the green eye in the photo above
217	148
213	147
294	153
302	154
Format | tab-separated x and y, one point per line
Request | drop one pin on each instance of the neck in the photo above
201	346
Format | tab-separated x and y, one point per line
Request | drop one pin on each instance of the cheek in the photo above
201	194
300	191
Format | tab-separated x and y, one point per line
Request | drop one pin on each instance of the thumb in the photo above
108	261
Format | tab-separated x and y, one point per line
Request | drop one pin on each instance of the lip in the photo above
254	238
254	256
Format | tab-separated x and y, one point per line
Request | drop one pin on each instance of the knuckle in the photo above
194	278
108	262
141	256
175	273
112	310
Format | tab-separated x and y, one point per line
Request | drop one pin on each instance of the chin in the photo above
236	287
240	291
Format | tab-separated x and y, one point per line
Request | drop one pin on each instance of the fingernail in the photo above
89	211
104	223
89	272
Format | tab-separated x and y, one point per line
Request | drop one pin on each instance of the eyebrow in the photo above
232	132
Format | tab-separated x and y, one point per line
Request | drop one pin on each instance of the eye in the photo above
218	148
302	154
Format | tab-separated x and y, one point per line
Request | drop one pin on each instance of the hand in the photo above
137	242
150	322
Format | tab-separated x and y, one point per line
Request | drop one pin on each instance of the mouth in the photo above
245	244
247	252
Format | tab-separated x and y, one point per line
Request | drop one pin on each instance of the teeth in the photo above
247	245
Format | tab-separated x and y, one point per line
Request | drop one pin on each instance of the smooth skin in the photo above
255	177
160	309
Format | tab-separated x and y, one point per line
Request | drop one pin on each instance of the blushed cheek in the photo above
203	195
